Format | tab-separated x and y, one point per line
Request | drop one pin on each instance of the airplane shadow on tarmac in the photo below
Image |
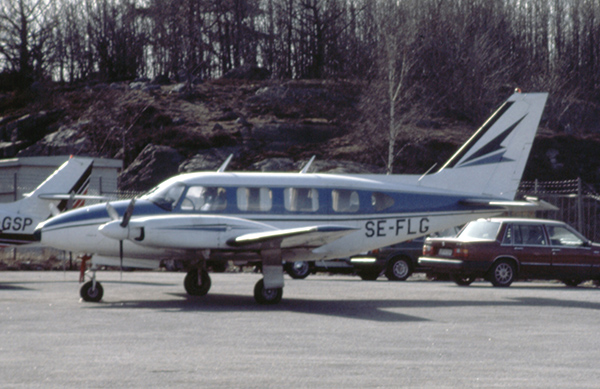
372	310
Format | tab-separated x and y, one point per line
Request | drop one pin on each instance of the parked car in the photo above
504	249
302	269
397	262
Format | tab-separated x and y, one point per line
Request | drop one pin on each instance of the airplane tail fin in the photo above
492	161
72	177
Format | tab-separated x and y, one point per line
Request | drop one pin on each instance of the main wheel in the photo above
398	269
462	280
298	270
267	296
91	294
195	288
502	273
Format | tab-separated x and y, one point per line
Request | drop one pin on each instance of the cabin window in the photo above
204	198
344	200
301	199
381	201
254	199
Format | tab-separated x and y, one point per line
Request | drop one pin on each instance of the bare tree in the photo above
25	32
391	100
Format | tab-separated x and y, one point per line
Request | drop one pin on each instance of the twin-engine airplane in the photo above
269	218
20	218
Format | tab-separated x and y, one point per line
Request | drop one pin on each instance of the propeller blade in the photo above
112	212
128	213
53	209
121	257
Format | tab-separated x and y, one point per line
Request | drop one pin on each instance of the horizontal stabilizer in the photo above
65	196
529	204
305	237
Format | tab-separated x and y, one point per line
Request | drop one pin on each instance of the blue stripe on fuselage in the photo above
404	204
98	212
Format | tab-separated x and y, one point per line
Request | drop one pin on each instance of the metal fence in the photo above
578	204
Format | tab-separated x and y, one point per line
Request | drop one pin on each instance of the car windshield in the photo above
480	229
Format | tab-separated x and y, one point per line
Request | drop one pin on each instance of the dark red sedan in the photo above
504	249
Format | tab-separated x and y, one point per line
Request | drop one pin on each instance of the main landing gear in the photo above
197	283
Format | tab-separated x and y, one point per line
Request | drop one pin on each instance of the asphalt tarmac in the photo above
329	331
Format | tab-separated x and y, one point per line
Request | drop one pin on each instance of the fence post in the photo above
579	205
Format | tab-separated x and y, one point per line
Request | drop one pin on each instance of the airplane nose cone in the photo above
114	230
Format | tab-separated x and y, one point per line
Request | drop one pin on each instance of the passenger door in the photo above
571	256
530	246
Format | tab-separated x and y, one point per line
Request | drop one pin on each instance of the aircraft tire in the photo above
191	285
91	295
267	296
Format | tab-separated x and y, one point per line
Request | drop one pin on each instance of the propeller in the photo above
123	232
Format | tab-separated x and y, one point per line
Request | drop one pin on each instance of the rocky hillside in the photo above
159	129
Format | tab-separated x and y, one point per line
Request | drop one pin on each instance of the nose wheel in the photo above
91	291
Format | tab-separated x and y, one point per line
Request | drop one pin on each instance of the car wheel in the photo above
502	273
462	280
572	282
298	270
398	269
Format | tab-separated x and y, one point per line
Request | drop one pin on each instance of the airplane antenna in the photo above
427	172
224	165
307	166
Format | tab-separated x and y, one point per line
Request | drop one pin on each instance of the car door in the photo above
572	256
529	244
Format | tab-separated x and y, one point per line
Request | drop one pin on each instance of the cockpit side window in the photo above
204	199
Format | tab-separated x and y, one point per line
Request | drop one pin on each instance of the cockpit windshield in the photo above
166	197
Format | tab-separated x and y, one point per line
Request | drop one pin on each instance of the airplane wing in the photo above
306	237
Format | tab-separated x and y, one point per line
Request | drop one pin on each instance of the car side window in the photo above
561	236
532	235
525	234
508	235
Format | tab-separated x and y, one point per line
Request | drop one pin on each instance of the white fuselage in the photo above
382	213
